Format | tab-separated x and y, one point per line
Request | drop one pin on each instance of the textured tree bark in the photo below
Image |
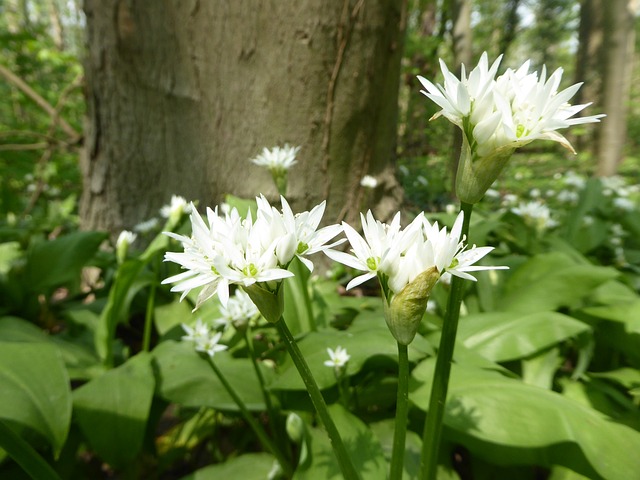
182	93
618	45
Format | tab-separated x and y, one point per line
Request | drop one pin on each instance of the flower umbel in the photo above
408	263
227	249
204	338
278	161
501	114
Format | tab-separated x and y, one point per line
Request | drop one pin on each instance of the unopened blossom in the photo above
369	182
254	254
125	239
408	263
499	114
147	225
204	338
338	358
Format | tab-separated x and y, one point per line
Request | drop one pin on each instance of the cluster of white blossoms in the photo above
238	312
408	263
338	358
204	337
536	214
277	159
499	114
508	111
228	249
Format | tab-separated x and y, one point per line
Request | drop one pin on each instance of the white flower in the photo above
205	339
574	180
369	182
230	250
507	112
567	196
238	311
536	214
176	207
399	256
624	204
278	159
125	239
338	358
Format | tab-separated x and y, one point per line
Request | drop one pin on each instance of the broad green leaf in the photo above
187	379
384	433
60	261
362	446
112	410
243	205
9	252
540	369
34	390
549	281
171	314
504	336
509	422
80	362
627	377
627	314
368	337
251	466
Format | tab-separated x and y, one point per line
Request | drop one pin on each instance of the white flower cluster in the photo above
239	311
278	159
400	255
536	214
506	112
228	249
204	337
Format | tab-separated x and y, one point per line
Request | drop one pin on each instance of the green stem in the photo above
433	425
273	414
402	409
346	466
255	426
148	318
25	456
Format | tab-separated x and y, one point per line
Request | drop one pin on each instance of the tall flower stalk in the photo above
254	255
497	115
408	263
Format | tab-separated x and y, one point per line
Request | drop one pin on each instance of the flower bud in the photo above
404	313
270	304
476	174
295	427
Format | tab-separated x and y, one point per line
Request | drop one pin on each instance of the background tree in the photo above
182	94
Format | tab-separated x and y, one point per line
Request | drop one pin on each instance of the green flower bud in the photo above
295	427
476	174
270	304
404	313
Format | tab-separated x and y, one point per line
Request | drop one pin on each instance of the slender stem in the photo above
148	318
402	409
255	426
25	456
273	414
346	466
435	414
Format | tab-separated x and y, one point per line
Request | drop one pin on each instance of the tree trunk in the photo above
181	94
619	42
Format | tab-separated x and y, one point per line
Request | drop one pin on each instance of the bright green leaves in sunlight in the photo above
112	410
34	391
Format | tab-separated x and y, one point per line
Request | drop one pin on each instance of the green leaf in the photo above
627	314
112	410
186	378
362	446
34	390
413	446
243	205
368	337
297	302
251	466
80	362
504	336
171	314
508	422
552	280
627	377
60	261
9	252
